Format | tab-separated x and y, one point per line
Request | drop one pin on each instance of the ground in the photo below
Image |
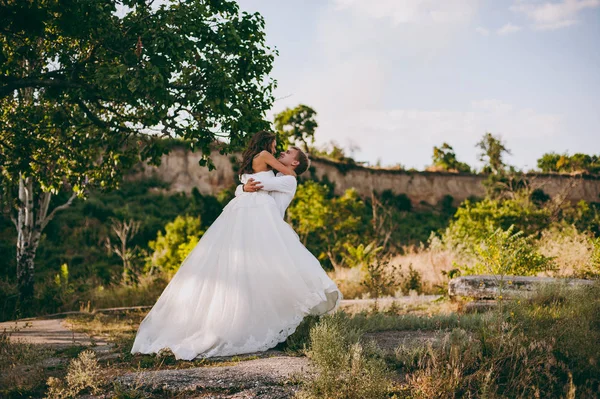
271	374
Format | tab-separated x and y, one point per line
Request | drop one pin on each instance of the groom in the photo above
282	188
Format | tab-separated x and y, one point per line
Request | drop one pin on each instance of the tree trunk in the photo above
30	223
28	236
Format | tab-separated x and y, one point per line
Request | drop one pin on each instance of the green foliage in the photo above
583	215
412	281
492	153
296	126
80	80
345	368
61	280
360	255
171	248
507	253
380	279
326	225
565	163
475	221
444	157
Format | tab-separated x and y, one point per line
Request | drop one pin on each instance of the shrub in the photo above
474	222
83	374
380	278
346	369
507	253
171	248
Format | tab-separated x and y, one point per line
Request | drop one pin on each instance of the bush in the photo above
474	222
507	253
83	374
170	249
346	369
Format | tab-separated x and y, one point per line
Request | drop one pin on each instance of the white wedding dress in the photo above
245	287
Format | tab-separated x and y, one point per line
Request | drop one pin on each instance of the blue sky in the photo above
396	77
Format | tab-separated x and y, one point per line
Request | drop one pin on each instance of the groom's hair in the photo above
303	161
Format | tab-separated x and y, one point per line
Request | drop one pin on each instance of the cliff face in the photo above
180	168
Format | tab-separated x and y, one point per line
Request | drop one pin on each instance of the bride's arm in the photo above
275	164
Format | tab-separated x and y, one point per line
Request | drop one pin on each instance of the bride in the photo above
249	281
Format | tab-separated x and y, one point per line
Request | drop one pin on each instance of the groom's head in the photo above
295	158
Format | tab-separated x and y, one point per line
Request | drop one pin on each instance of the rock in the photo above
492	286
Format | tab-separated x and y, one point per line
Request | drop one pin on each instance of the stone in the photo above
493	286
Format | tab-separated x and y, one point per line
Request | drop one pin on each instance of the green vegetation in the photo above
542	347
83	85
296	126
170	249
444	158
565	163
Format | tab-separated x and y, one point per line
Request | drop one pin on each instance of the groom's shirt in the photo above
282	188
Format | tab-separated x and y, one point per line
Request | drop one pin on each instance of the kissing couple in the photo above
249	281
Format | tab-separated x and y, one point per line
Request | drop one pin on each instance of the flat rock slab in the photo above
53	332
491	286
247	379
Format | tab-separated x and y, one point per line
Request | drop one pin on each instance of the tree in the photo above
125	231
86	93
297	125
566	163
492	151
549	162
445	158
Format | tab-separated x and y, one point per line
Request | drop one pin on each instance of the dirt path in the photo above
51	332
273	375
268	377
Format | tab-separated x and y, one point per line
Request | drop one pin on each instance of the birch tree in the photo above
89	88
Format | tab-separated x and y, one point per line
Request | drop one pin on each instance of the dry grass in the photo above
572	249
431	263
22	364
349	281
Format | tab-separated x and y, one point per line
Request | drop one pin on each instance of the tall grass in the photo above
346	369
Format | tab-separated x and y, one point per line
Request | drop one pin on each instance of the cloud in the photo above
359	63
413	11
408	135
555	15
482	31
508	29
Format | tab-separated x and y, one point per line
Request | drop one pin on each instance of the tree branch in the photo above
58	208
8	88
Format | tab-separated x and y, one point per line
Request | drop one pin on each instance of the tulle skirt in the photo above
245	287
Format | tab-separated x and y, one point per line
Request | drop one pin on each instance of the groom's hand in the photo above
251	186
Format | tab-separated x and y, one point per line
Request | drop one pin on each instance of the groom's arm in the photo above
250	187
283	184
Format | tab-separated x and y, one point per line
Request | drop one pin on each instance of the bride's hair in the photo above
260	141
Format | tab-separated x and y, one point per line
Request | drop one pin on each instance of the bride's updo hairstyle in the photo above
261	141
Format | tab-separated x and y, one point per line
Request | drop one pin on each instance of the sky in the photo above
390	79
